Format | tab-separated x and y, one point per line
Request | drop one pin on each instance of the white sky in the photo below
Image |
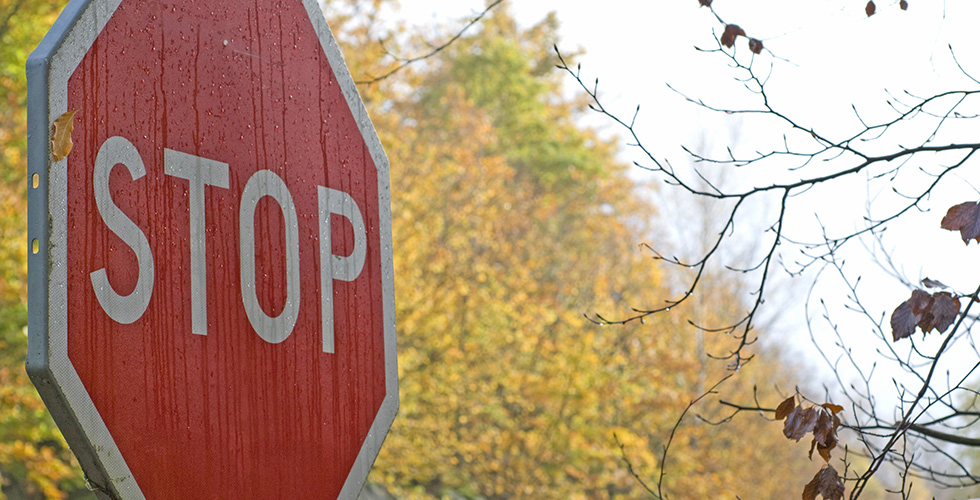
837	57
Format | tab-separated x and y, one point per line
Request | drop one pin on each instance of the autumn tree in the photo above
905	161
511	221
35	461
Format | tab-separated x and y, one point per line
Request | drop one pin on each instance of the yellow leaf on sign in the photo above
61	138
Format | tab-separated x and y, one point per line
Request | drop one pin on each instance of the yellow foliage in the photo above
34	459
509	222
507	391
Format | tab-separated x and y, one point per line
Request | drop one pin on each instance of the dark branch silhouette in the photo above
922	429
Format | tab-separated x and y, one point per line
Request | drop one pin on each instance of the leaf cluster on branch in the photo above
822	422
927	311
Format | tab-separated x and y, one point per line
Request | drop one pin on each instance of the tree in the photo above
34	459
907	153
512	220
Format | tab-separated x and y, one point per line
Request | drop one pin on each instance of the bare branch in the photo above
435	50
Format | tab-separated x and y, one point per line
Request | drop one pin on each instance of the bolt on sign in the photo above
211	294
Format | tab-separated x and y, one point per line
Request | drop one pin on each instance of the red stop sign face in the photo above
216	252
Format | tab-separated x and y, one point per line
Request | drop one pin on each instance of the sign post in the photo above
211	294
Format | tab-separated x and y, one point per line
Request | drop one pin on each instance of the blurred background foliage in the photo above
34	460
510	221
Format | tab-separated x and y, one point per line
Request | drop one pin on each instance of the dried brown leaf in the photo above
834	409
935	311
964	218
826	483
903	322
943	311
824	451
920	302
785	407
755	45
705	3
799	422
61	137
825	435
870	8
823	430
928	312
732	31
903	5
931	283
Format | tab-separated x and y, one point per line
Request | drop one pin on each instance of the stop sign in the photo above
211	297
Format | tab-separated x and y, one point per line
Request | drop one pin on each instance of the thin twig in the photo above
434	51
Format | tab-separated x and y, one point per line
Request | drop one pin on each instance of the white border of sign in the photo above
48	70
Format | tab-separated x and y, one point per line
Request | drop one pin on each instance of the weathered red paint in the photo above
226	415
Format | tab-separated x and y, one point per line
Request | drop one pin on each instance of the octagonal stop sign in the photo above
211	298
